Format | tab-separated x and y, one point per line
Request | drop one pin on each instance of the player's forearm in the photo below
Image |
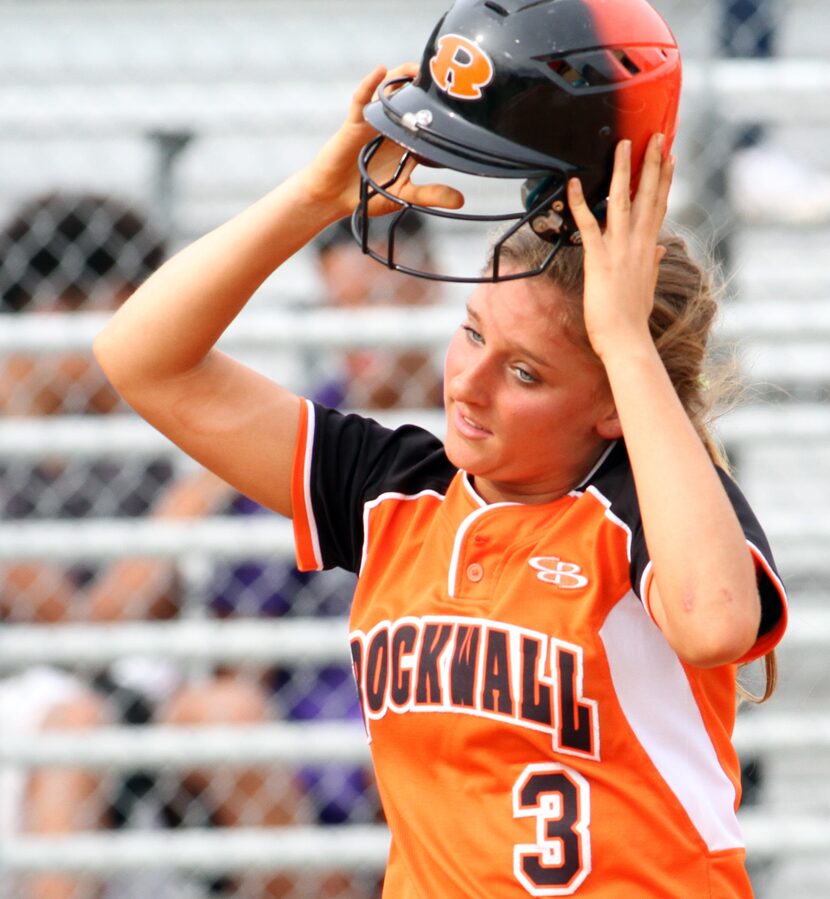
706	597
170	324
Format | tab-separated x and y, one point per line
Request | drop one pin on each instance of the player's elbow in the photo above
108	353
122	360
724	638
714	655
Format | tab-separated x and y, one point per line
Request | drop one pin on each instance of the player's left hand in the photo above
621	261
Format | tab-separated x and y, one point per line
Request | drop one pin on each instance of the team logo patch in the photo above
552	570
460	67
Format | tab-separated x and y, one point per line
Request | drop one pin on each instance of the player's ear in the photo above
608	427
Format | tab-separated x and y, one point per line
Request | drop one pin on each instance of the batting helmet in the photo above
537	90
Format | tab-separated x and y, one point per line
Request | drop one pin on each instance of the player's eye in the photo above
523	375
472	334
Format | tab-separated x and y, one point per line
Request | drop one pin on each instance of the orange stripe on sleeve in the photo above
646	581
306	543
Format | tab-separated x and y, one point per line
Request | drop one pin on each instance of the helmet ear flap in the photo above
534	189
551	219
542	197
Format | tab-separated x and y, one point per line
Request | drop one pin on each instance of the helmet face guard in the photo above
531	91
369	188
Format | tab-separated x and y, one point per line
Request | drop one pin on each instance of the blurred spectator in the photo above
381	379
67	253
765	183
57	254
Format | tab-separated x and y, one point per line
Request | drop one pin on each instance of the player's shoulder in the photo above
612	483
405	459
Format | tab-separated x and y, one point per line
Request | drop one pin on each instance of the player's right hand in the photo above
622	260
333	176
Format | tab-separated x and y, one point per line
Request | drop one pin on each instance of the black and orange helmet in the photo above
537	90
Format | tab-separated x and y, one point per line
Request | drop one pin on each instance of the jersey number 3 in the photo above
558	799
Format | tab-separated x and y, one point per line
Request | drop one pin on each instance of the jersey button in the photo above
475	572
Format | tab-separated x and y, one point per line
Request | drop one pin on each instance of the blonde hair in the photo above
685	309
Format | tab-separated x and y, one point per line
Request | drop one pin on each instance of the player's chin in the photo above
471	457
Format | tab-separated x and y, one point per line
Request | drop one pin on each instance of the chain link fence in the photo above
171	688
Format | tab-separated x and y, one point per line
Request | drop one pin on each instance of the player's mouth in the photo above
468	426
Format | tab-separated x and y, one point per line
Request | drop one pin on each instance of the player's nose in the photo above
471	381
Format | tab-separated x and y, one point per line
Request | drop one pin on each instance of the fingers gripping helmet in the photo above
536	90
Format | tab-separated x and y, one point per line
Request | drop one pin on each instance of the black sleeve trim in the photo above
615	481
354	461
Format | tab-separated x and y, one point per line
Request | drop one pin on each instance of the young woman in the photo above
553	603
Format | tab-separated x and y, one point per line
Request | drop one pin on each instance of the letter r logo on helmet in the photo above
460	67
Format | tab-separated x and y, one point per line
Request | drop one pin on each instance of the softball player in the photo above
553	603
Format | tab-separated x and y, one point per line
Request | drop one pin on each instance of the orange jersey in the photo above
532	731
